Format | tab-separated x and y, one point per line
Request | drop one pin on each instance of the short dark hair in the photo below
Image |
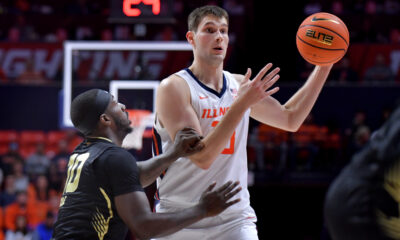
198	14
87	108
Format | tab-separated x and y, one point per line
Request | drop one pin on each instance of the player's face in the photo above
120	116
211	39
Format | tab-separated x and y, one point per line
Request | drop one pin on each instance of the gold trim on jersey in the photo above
99	223
103	138
389	224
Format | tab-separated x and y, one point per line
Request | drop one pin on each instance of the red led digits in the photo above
134	12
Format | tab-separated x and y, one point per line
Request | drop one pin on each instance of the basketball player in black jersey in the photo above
103	193
363	203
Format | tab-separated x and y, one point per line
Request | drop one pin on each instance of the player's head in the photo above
208	33
197	15
96	109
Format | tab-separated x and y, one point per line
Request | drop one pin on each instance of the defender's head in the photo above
96	110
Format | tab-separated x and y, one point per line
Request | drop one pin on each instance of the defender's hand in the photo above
215	202
187	142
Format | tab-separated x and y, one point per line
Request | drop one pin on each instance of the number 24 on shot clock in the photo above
130	7
141	11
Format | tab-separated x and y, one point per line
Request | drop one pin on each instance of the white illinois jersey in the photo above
183	182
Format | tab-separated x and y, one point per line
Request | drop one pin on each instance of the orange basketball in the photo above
322	39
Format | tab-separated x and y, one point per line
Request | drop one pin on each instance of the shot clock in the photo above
141	11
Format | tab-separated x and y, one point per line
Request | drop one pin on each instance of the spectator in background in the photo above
14	35
61	34
167	34
21	231
58	166
8	159
57	175
83	33
361	137
106	34
41	194
7	196
21	180
380	71
355	133
44	230
122	33
63	153
342	72
21	207
27	31
54	204
359	120
38	163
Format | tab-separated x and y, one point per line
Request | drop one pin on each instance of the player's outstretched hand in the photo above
253	91
215	202
187	142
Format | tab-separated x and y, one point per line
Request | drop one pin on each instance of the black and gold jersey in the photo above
98	171
364	200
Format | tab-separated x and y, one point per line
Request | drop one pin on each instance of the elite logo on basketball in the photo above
319	37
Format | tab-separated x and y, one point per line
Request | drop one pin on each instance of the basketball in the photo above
322	39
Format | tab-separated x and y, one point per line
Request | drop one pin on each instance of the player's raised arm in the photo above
292	114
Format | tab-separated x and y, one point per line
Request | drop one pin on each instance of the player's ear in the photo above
105	119
189	37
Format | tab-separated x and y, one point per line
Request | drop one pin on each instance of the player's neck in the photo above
208	74
110	135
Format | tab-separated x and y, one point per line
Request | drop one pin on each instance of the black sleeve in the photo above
116	168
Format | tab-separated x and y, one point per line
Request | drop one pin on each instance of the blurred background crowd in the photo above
362	90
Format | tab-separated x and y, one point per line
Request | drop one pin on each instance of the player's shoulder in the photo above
116	152
238	77
173	83
172	79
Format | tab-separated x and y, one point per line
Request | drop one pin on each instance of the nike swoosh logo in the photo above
314	19
201	97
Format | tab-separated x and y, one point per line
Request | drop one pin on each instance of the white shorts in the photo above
237	229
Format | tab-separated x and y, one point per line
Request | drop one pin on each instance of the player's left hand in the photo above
187	142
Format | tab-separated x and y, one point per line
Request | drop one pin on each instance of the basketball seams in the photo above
312	25
330	16
327	63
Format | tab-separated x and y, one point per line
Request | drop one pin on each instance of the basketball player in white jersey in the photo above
218	105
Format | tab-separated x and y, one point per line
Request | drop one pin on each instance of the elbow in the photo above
144	234
291	124
203	166
203	161
293	129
